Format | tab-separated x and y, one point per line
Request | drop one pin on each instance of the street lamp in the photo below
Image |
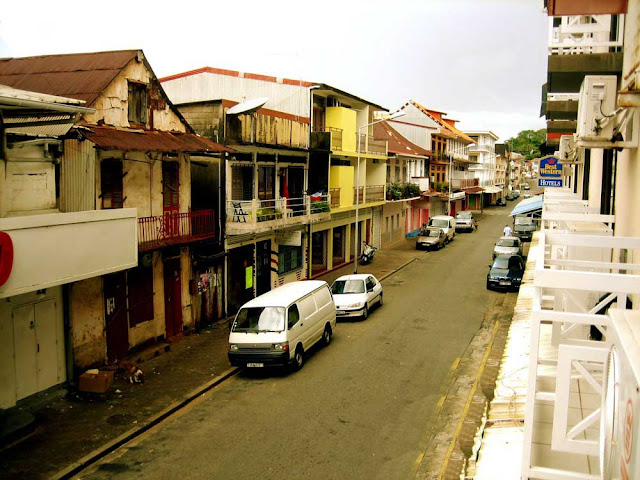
397	114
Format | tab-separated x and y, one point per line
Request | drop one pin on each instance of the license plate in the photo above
505	283
340	312
254	365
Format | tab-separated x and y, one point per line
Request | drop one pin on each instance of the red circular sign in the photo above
6	257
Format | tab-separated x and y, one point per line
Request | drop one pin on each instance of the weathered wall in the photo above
393	231
112	106
86	310
205	119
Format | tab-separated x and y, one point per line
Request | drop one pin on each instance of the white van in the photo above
278	327
447	223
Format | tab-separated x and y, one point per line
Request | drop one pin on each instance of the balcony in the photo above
334	193
464	181
369	145
253	216
368	194
59	248
580	272
585	34
175	229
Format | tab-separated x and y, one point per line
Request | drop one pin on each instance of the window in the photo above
170	185
140	284
111	184
293	316
289	259
137	103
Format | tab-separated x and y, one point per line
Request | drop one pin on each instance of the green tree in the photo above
528	142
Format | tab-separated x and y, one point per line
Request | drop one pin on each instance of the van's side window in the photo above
293	316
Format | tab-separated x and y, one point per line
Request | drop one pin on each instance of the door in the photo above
172	297
240	271
171	198
263	267
116	327
24	340
35	338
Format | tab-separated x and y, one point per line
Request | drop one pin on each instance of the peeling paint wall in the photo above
112	106
86	310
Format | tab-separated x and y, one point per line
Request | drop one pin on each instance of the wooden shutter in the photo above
111	183
171	186
140	284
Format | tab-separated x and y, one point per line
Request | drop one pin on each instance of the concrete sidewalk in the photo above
73	428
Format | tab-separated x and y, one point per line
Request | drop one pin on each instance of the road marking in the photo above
454	365
465	411
441	402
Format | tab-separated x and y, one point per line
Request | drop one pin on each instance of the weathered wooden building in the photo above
132	153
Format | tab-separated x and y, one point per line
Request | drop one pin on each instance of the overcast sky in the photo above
481	61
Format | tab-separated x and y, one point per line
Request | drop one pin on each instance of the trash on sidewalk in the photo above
95	381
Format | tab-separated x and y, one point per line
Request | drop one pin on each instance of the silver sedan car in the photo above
507	246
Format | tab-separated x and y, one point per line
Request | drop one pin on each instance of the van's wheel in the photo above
326	335
380	301
365	313
298	359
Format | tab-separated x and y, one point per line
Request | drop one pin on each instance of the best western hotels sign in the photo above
550	172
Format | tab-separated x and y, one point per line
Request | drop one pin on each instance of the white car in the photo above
354	295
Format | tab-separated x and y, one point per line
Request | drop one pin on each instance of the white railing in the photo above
249	215
580	272
583	34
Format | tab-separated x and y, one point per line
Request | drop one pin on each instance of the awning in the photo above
471	190
528	206
492	189
457	196
109	138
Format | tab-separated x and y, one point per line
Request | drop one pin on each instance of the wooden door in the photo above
172	298
117	329
46	344
171	198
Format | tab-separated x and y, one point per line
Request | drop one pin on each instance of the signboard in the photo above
291	239
550	167
549	182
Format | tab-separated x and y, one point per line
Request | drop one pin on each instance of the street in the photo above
358	408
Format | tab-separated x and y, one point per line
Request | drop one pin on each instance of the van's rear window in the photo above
259	319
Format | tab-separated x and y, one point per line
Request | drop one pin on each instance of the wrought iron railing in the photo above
175	229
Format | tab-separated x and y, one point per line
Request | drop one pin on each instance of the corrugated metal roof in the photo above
81	76
396	142
108	138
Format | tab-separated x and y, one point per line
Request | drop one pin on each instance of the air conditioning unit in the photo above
620	412
568	148
596	107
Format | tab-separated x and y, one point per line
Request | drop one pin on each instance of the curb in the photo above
398	269
91	458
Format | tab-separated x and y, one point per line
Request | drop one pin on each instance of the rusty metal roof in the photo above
82	76
109	138
396	142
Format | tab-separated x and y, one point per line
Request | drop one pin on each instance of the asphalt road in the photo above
358	408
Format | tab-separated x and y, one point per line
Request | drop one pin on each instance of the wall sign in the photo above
292	239
550	167
550	182
6	257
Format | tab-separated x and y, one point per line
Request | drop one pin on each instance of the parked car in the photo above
516	192
511	196
527	194
526	186
447	223
507	246
431	238
523	227
501	202
354	295
278	327
505	273
465	221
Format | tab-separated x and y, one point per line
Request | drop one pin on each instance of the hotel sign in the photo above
550	167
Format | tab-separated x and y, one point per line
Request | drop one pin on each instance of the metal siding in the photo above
200	87
78	177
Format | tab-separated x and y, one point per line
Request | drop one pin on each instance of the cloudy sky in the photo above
481	61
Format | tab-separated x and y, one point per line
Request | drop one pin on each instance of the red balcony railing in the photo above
175	229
